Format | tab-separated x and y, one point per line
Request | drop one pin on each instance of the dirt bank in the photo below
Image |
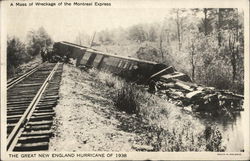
84	120
87	120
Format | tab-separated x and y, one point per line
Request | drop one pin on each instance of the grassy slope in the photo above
87	120
84	117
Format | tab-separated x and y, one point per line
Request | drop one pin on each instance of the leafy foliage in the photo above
205	43
16	55
37	40
19	52
106	37
127	100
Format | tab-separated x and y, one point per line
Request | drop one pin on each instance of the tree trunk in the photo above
161	41
192	62
193	70
162	57
205	21
237	41
234	68
178	29
231	44
219	26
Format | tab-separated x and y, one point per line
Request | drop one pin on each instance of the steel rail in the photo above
22	77
19	127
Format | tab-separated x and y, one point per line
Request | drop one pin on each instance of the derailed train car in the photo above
162	79
124	66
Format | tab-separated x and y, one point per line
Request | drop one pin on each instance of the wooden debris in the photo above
183	86
162	72
175	76
193	94
178	87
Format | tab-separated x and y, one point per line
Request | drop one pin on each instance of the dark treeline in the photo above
207	44
19	52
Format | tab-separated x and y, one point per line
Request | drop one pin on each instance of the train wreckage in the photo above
161	80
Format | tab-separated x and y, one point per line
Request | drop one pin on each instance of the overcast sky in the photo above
66	23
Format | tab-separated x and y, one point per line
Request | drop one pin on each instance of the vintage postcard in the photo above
124	80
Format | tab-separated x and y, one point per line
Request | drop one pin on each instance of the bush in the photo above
93	72
16	55
149	53
125	96
127	99
213	139
106	78
37	40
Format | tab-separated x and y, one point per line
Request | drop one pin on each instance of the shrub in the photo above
93	72
16	55
127	100
37	40
213	139
107	78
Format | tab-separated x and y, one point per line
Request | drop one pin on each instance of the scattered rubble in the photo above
178	86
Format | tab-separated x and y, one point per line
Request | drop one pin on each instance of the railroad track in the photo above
22	77
30	102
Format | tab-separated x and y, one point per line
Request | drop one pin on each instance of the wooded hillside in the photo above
207	44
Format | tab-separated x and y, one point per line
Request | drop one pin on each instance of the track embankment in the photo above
84	120
87	120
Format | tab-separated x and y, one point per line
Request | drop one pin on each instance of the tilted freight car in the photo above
88	57
162	79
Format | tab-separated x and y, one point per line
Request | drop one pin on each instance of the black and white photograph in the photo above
124	79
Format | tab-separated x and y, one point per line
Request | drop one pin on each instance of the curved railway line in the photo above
30	102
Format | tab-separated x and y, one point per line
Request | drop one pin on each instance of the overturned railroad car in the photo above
88	57
161	78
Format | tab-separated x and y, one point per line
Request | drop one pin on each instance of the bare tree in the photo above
233	52
179	23
178	27
192	53
220	19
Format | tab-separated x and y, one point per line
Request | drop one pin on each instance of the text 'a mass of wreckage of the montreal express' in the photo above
24	4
